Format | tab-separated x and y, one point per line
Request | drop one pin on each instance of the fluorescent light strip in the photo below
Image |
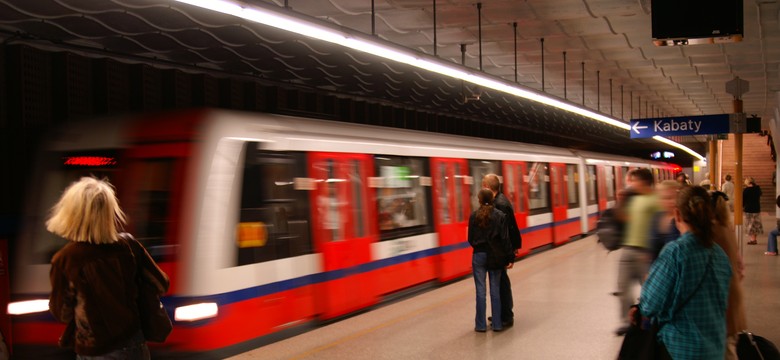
353	41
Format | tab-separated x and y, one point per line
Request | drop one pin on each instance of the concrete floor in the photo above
563	310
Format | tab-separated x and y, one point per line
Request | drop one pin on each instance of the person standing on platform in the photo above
686	292
751	197
492	252
728	189
724	236
771	243
682	178
637	249
490	182
93	277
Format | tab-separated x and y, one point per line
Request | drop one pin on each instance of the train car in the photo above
266	224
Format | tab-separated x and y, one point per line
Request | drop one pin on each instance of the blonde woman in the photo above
93	276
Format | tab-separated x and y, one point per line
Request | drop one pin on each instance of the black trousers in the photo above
505	288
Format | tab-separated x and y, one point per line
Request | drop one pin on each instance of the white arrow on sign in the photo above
636	127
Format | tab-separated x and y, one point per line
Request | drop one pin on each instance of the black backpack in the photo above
610	230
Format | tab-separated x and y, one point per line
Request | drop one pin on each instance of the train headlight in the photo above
195	312
28	307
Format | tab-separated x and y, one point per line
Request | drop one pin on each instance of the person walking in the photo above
728	189
664	229
724	236
492	252
490	182
751	197
637	247
686	292
93	277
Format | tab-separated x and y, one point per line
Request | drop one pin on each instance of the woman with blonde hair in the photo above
93	277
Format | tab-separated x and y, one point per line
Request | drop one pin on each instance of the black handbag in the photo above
155	323
753	347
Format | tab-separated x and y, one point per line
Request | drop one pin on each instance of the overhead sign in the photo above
681	126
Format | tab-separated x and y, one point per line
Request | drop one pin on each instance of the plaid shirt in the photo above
698	330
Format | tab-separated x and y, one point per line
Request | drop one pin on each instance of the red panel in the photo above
404	275
333	215
455	263
536	239
560	203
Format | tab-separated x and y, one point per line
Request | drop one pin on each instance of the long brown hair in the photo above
693	203
485	197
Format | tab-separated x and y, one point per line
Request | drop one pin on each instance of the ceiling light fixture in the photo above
371	45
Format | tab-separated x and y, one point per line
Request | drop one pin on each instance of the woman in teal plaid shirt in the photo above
687	289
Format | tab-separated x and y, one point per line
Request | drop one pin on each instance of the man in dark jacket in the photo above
491	182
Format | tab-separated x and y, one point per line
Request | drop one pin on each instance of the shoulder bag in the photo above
151	281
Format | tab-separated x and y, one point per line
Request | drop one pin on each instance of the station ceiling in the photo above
611	66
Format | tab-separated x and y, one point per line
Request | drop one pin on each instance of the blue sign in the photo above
681	126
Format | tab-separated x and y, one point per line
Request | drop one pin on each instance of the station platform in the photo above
564	309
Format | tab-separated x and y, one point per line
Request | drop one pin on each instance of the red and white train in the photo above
268	223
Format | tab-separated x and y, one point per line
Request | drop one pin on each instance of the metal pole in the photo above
631	99
435	52
598	90
583	83
622	105
564	76
479	21
639	105
373	19
610	98
542	41
738	181
514	28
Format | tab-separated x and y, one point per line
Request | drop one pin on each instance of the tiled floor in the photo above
563	310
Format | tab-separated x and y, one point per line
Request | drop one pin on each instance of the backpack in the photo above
610	230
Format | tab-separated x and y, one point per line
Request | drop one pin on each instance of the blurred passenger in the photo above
637	248
93	277
771	243
664	229
488	237
706	182
490	182
751	205
725	238
687	289
728	189
682	178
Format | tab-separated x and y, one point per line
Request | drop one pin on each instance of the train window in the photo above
459	180
590	185
625	176
556	189
609	181
480	168
274	217
513	187
573	184
150	213
402	197
444	207
358	200
538	185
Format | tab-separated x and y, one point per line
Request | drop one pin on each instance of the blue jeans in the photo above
771	243
478	265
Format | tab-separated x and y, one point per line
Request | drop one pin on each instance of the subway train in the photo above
268	224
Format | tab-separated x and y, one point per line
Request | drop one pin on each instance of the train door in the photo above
559	202
517	193
344	228
451	214
591	197
601	188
